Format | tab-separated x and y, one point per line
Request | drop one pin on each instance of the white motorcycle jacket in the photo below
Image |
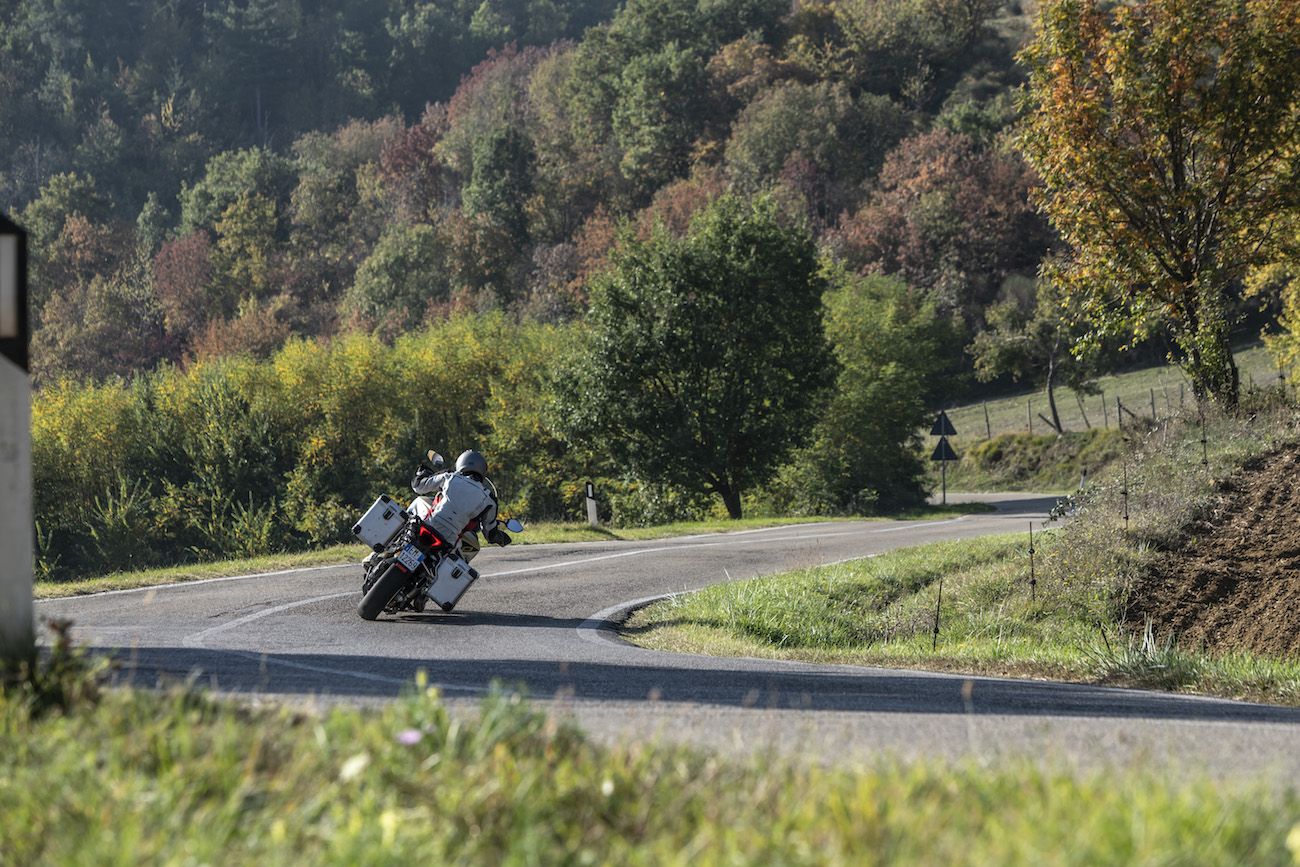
462	500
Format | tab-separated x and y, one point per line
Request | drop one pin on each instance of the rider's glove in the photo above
422	474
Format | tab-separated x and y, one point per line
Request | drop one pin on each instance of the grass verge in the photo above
1064	626
179	778
991	621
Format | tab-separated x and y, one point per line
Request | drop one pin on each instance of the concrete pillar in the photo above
16	523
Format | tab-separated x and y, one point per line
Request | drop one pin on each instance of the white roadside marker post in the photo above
17	637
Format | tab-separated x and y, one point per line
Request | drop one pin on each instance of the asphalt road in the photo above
540	617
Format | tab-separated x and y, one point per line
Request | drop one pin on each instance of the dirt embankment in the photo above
1236	584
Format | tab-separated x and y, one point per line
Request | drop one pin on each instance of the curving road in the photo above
539	618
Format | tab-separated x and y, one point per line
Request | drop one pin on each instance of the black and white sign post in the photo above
591	505
16	629
943	452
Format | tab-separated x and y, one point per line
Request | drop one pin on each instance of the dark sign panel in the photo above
943	427
943	451
13	292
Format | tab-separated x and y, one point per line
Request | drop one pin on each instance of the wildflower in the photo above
410	737
353	767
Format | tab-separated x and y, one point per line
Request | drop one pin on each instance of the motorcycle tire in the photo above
381	592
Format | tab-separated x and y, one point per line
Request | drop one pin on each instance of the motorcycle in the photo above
410	563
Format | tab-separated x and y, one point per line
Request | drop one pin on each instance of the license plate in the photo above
410	557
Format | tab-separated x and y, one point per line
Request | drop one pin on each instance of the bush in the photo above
236	457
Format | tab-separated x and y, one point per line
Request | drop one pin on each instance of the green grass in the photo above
1165	386
1000	450
881	611
991	621
176	778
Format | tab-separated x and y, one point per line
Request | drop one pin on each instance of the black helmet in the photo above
471	461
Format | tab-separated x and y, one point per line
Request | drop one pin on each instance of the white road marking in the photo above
196	639
586	628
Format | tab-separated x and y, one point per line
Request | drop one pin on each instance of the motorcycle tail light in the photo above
428	538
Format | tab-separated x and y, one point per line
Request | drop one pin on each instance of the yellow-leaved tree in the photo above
1166	133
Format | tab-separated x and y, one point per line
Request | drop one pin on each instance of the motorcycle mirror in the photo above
434	458
514	526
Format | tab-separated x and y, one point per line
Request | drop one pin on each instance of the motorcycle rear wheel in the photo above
381	592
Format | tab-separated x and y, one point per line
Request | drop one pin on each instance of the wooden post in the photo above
935	644
1033	578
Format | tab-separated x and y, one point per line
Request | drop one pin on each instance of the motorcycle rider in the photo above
462	497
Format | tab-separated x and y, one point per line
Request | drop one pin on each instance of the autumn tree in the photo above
411	175
950	217
1166	132
182	273
705	361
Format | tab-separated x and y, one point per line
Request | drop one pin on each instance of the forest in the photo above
204	179
280	246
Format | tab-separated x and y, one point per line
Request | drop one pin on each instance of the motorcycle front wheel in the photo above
381	592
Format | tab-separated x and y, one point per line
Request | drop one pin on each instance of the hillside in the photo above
215	180
1003	445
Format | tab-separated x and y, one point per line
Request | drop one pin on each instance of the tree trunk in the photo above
1051	385
731	499
1051	394
1211	365
1214	379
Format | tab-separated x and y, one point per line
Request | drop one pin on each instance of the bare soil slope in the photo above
1235	585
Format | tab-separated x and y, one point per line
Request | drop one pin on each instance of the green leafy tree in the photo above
890	344
229	176
638	91
1166	132
334	221
502	181
705	362
661	110
845	138
900	48
243	261
397	282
